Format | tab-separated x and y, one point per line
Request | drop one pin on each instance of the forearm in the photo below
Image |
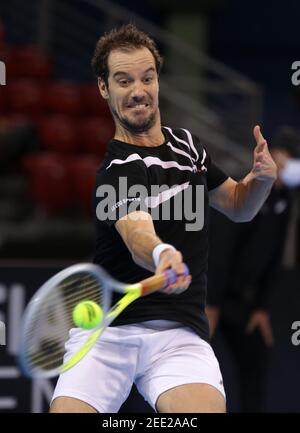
141	244
249	196
138	232
240	201
147	249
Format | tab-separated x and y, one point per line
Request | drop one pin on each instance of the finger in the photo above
259	157
181	269
183	278
257	134
261	147
261	165
181	272
182	282
268	335
185	272
183	287
178	287
167	259
257	168
250	327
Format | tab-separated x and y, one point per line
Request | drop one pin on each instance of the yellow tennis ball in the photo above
87	314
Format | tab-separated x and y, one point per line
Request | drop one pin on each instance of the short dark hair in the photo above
126	37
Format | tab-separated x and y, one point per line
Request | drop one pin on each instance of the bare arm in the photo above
240	201
138	233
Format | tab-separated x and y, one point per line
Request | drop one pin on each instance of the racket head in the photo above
47	319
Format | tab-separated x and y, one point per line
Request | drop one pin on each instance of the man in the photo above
243	269
160	342
244	264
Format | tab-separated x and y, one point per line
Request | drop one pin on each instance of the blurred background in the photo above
228	66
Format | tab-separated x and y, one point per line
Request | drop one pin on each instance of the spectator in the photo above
244	259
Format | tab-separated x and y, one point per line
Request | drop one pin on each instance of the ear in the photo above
103	88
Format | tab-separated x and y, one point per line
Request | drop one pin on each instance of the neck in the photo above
151	138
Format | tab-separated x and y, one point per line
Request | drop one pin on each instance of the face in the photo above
280	157
132	91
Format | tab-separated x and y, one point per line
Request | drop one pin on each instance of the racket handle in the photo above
158	282
171	275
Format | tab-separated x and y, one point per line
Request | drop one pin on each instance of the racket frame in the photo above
131	293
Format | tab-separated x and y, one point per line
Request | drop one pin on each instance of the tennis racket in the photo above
48	320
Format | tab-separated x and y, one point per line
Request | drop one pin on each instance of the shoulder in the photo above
118	166
120	158
186	139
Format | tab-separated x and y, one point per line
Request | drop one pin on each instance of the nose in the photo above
138	91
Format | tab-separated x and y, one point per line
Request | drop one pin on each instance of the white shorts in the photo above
156	355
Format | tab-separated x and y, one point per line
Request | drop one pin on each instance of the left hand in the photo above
260	319
213	316
264	168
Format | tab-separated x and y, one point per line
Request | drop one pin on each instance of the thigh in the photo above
186	364
192	398
101	380
70	405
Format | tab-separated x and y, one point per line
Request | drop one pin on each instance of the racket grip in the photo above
171	275
157	282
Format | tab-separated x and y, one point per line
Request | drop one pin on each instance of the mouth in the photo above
138	106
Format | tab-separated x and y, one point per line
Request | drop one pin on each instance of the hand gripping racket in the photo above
48	317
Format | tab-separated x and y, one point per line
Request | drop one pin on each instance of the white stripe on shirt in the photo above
154	201
151	160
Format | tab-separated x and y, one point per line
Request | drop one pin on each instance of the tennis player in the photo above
160	342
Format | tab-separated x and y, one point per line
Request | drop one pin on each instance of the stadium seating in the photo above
49	183
91	102
3	99
2	35
26	61
62	98
95	133
59	134
24	97
82	175
73	125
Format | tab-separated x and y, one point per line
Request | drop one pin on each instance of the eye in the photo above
123	82
148	80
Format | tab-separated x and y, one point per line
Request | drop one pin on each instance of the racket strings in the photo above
42	361
69	302
73	300
49	346
94	284
46	351
37	360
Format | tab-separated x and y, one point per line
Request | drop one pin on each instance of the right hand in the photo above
260	319
213	316
173	259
